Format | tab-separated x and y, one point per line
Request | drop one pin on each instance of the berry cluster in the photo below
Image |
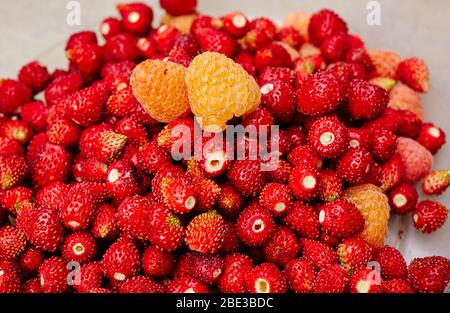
91	173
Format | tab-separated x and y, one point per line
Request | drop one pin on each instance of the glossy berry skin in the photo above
365	280
303	219
354	253
324	24
414	73
12	95
276	198
206	232
91	276
340	218
79	247
383	144
255	225
246	177
331	279
328	137
303	181
428	216
279	98
403	198
266	278
300	275
35	76
236	24
12	242
31	259
282	248
187	284
179	7
318	253
110	27
136	17
121	260
53	275
157	263
355	165
392	263
431	137
366	101
428	274
235	269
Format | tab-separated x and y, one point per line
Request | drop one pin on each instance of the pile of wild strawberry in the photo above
87	175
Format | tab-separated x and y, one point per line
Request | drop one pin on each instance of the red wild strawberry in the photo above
78	210
42	227
330	185
137	17
206	192
10	147
318	253
323	25
360	57
12	95
34	76
403	198
15	198
262	32
229	201
157	263
214	40
282	247
32	286
383	144
335	47
365	280
53	274
141	284
281	173
121	103
10	278
232	242
328	137
266	278
177	135
135	132
205	232
88	59
122	47
428	216
104	224
187	284
17	130
205	267
414	73
397	286
428	274
331	279
12	242
392	264
300	275
205	21
276	74
260	118
31	259
409	124
290	36
120	180
178	195
165	38
52	195
246	177
79	247
255	225
179	7
353	253
355	165
436	182
150	158
214	159
346	72
340	218
235	268
172	171
13	170
391	173
64	133
276	198
430	136
366	101
62	86
101	142
85	106
273	55
304	156
80	39
304	182
236	24
35	115
121	260
279	98
147	47
296	136
303	219
167	230
177	55
110	27
319	94
89	169
91	276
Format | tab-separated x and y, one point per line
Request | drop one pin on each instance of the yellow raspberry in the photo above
182	23
374	206
385	62
219	89
404	98
160	88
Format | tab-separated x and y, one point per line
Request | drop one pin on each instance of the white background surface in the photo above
33	29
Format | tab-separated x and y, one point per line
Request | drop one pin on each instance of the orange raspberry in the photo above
374	206
160	88
404	98
219	89
385	62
